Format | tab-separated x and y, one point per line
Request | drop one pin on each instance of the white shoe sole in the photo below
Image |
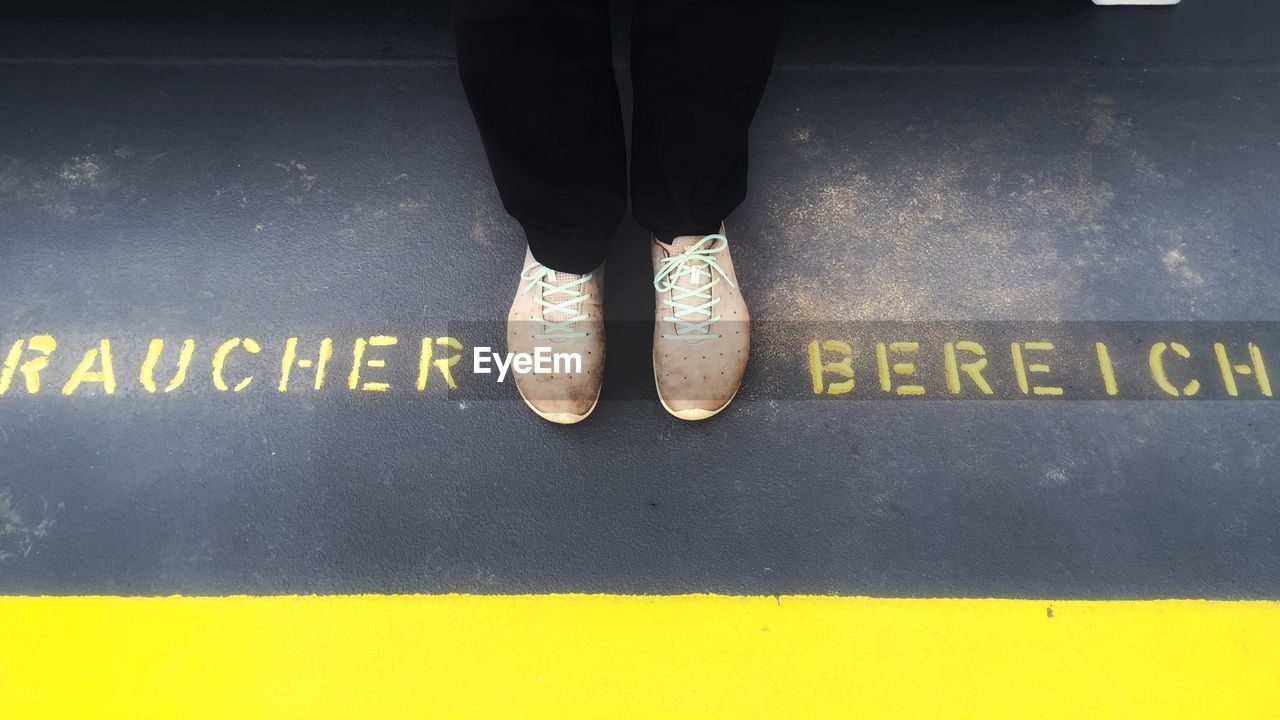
562	418
692	413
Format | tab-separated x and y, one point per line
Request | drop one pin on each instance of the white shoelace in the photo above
569	308
692	305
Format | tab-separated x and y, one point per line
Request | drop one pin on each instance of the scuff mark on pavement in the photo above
82	171
24	519
1176	263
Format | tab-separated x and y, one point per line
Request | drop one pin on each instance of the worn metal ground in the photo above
1053	163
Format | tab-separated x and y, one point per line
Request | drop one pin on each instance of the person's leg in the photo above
539	77
698	69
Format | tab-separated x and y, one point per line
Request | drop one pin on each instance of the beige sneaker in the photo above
561	313
702	334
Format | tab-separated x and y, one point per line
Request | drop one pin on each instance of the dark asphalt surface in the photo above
1055	163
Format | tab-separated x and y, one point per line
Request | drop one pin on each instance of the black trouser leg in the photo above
539	77
698	68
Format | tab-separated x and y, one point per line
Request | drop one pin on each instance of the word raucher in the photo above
234	366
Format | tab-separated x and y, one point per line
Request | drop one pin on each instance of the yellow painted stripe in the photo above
425	656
